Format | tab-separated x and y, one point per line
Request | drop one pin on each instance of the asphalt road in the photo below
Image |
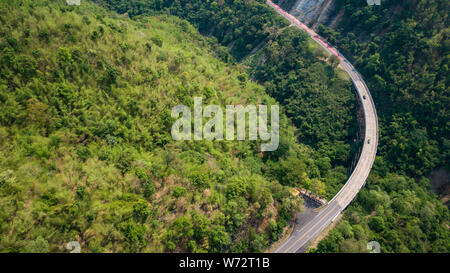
302	235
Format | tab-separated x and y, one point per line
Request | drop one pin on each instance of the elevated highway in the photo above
301	236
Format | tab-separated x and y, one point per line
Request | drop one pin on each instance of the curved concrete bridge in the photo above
301	236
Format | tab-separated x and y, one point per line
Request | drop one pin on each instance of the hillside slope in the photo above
85	148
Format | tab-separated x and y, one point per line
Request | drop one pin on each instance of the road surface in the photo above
302	235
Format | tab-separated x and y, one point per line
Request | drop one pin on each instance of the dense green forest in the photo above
301	80
401	47
86	153
85	146
316	96
239	25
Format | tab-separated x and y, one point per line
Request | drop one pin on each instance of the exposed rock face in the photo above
313	12
440	184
